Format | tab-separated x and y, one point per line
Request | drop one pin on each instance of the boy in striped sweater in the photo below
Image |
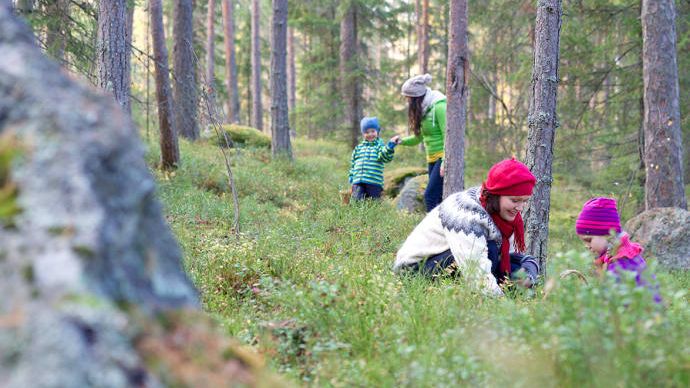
366	168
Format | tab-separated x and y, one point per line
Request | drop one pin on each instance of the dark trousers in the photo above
444	263
362	191
434	189
436	265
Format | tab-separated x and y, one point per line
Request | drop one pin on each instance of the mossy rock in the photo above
411	197
242	136
394	180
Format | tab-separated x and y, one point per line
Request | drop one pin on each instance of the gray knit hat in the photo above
416	86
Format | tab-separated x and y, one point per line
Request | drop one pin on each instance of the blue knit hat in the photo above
370	122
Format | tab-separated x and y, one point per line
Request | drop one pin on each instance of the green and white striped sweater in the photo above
367	161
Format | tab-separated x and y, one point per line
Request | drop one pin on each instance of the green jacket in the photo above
433	129
367	162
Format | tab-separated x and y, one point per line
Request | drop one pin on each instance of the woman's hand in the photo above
396	139
441	171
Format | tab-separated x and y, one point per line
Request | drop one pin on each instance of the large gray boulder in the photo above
665	235
411	197
90	272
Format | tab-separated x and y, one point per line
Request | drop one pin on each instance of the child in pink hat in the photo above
598	226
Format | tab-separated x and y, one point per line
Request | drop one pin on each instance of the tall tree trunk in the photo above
230	62
129	30
348	72
493	79
308	44
408	48
210	61
247	73
257	109
112	52
292	89
542	124
662	134
457	77
170	152
184	91
423	37
280	124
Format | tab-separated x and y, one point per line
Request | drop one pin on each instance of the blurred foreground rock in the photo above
93	288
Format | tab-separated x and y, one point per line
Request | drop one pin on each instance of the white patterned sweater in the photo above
460	224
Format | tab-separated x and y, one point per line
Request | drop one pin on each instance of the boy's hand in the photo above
441	170
396	139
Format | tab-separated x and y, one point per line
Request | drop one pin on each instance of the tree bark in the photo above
280	124
230	62
423	37
291	74
112	52
457	92
542	122
129	30
210	61
348	73
257	110
664	185
184	91
170	152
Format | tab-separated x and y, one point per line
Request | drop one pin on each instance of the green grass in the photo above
308	284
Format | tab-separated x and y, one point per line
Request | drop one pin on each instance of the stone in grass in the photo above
664	234
395	179
240	135
411	197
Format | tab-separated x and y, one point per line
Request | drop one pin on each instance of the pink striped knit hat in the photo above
598	217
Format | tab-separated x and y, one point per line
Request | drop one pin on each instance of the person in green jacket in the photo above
427	120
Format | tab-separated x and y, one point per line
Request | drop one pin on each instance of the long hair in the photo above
491	202
414	114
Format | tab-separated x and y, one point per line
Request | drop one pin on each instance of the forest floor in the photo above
308	284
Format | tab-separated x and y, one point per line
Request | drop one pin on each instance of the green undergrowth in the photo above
307	283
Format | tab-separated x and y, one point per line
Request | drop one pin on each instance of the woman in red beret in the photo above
478	232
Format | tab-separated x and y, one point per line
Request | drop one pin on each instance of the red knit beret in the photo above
510	177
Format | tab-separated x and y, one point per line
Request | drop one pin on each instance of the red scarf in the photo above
516	227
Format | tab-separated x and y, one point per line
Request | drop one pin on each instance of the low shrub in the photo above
241	135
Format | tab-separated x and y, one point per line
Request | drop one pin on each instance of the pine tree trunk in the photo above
230	62
170	152
664	185
129	31
457	92
257	109
542	124
280	124
210	62
292	99
184	90
348	73
423	37
112	52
